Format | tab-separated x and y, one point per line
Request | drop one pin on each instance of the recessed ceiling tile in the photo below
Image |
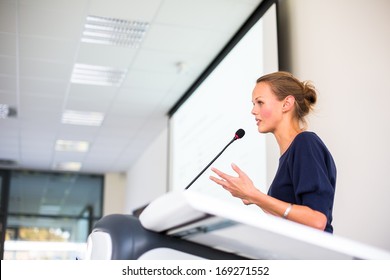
66	24
68	5
9	98
138	102
12	125
126	158
77	132
138	97
131	111
91	92
125	9
43	116
103	55
149	80
60	157
174	63
7	44
33	131
47	49
116	122
8	140
185	40
219	14
109	148
44	69
41	103
7	65
9	150
37	143
118	133
8	83
29	162
100	104
186	80
111	152
8	16
99	162
43	87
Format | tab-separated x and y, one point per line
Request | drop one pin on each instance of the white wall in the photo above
343	47
147	179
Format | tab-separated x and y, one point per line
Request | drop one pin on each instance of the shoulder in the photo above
307	137
308	141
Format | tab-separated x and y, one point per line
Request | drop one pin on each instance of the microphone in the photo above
238	135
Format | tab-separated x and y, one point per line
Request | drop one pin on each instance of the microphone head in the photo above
239	134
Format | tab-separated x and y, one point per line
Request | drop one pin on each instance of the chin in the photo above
263	130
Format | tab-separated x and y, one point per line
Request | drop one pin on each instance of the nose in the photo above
254	111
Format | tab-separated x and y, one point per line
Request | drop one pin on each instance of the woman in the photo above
304	185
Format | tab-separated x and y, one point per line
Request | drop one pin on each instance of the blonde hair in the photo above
284	84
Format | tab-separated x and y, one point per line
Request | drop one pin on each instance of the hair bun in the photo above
309	92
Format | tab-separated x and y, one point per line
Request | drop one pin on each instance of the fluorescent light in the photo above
68	166
97	75
71	146
113	31
82	118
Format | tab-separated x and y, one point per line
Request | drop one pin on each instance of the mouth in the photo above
257	121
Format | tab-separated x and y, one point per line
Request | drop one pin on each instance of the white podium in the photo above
246	231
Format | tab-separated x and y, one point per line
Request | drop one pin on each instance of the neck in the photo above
285	135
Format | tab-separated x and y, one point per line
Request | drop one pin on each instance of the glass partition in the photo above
51	214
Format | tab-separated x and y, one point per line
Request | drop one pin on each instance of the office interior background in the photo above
342	46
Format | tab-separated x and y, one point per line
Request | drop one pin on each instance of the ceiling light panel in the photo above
97	75
72	146
82	118
112	31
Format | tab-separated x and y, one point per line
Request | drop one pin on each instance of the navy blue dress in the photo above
307	176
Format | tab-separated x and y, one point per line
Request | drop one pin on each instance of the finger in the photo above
218	181
212	178
215	170
237	169
220	173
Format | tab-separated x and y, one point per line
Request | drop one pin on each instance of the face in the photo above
267	109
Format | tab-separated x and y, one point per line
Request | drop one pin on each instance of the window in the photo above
51	214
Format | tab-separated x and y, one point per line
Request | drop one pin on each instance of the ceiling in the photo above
40	43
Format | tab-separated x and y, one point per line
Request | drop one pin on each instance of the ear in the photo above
288	103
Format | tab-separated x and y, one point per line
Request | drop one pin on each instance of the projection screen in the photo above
202	124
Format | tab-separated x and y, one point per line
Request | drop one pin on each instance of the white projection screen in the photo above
204	123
